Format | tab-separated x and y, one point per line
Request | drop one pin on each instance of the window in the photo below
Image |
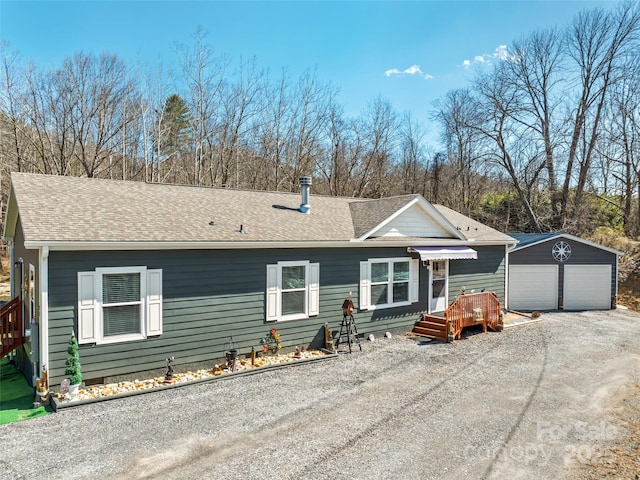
119	304
292	290
388	282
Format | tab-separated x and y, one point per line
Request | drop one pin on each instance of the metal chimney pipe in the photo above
305	186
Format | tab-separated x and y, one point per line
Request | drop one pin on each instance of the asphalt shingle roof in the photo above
471	228
74	209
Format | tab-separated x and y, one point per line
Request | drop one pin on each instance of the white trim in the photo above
568	237
274	290
44	308
87	311
12	273
506	276
239	245
100	337
366	282
429	209
31	297
414	280
153	310
446	285
313	294
11	216
364	290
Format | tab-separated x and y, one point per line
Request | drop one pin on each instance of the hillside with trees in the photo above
547	139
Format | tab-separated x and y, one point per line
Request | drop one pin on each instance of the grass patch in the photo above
16	396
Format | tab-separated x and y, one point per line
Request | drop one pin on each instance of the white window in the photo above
388	282
292	290
119	304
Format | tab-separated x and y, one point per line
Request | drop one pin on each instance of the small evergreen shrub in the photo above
73	362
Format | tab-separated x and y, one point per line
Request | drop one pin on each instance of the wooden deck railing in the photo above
475	309
11	327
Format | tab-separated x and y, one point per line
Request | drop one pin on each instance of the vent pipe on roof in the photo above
305	186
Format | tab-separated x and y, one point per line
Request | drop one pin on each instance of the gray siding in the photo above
487	272
581	254
211	295
28	352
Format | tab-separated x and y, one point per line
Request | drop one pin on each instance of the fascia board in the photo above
568	237
11	216
115	246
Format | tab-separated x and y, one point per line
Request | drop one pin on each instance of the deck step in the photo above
429	324
429	331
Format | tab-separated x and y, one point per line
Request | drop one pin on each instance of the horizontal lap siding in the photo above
209	296
486	272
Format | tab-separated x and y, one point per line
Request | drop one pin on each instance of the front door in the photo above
438	286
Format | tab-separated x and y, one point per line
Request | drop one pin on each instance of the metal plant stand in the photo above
348	332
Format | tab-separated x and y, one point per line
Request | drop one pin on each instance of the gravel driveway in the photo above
525	403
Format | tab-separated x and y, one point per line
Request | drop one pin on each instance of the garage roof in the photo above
526	240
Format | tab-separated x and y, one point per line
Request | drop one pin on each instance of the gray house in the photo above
550	271
140	272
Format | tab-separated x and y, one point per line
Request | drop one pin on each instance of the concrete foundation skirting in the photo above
59	404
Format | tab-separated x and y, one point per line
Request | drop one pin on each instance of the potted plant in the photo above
73	371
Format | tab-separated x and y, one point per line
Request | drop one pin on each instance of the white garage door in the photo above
587	287
533	287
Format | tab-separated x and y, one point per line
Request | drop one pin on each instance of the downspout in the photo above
44	310
12	274
615	299
506	277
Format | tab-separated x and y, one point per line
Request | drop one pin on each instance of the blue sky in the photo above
409	53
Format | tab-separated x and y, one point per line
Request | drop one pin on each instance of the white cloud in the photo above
500	53
412	70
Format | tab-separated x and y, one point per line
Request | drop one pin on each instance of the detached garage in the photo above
550	271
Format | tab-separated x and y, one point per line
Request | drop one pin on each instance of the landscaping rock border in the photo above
311	356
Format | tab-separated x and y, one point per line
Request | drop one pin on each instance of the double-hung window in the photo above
388	282
119	304
292	290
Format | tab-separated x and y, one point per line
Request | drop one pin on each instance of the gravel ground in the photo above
530	402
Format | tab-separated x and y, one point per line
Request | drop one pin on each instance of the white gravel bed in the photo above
525	403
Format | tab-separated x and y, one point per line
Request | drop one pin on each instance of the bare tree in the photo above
599	43
535	72
204	76
379	129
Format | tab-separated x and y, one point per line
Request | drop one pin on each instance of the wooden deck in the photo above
11	327
473	309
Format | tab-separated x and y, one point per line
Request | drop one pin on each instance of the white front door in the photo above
438	285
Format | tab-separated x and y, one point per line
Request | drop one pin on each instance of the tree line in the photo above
545	139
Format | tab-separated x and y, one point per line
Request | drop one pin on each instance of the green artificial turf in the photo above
16	396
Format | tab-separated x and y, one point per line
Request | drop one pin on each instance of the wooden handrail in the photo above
473	309
11	327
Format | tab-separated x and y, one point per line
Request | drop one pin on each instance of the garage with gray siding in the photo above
552	271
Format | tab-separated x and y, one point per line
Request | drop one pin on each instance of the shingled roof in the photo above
57	209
